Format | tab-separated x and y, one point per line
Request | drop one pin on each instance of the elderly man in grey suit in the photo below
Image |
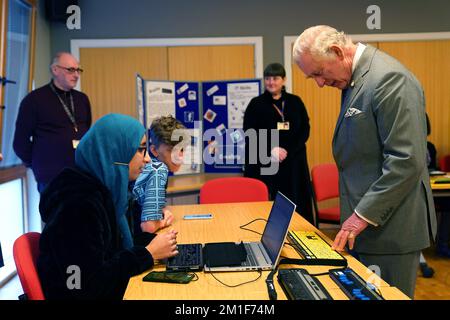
379	146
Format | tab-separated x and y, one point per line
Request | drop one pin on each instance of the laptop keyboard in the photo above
251	259
188	258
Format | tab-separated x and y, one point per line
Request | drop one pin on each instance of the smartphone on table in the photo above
169	277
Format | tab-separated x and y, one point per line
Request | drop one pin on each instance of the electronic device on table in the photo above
189	258
312	247
354	287
298	284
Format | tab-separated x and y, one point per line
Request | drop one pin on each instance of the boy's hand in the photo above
154	225
168	218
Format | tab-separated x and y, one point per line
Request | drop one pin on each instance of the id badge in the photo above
75	143
283	125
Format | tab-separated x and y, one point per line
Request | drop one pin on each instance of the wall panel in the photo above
109	76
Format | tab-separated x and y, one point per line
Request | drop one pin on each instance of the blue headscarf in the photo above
104	152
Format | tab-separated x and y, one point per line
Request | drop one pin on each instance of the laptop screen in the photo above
277	226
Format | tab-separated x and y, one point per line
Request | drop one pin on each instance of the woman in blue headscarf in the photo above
87	250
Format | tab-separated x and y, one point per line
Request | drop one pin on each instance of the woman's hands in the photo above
164	245
278	154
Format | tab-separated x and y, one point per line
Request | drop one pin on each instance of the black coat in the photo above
292	178
81	231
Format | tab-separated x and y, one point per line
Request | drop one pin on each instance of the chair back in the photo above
325	180
444	163
26	253
325	183
233	189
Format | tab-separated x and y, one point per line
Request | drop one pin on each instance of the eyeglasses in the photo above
143	150
71	70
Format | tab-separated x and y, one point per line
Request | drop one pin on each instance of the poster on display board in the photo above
140	99
224	104
181	100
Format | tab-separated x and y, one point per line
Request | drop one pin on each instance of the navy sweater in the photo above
43	119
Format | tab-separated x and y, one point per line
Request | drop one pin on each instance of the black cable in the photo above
195	276
244	225
270	287
237	285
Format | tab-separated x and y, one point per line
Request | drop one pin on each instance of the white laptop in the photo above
264	255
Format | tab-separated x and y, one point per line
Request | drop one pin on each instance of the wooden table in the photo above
225	227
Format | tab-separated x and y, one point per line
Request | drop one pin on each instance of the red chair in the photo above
26	252
444	163
234	189
325	183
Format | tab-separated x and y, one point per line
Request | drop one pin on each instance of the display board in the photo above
220	105
224	104
181	100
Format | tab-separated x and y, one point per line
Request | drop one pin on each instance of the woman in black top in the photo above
278	110
87	250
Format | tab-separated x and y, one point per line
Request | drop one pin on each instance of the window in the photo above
16	57
17	71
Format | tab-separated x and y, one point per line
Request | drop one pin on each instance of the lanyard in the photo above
71	115
280	112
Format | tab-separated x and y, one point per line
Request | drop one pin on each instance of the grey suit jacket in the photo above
379	146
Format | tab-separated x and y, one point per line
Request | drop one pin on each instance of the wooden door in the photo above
109	77
429	61
202	63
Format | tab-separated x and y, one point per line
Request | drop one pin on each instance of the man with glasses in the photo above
52	120
379	146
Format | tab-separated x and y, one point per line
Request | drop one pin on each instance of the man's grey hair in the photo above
55	60
318	40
